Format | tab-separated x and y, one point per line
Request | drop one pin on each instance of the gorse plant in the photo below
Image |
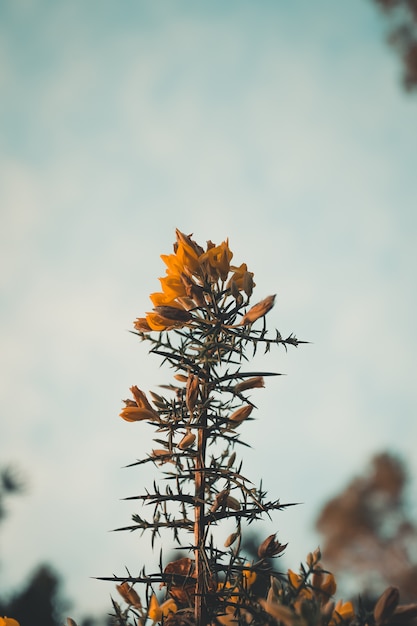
203	325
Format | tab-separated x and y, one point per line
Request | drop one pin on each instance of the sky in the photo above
282	126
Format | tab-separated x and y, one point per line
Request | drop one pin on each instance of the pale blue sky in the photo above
280	125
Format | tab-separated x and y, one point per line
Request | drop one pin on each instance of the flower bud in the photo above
186	441
248	283
249	383
158	400
323	582
231	539
193	291
136	414
234	290
405	613
139	409
129	595
258	310
231	460
173	313
219	500
386	605
241	414
274	591
141	399
142	325
163	456
283	614
317	555
191	393
181	378
327	610
232	503
160	322
270	547
313	558
186	303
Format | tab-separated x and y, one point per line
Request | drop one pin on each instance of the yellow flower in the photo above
323	583
184	287
294	579
188	259
159	322
136	414
183	263
157	611
217	260
242	279
173	286
297	582
141	399
230	591
249	577
173	263
162	299
8	621
343	612
138	409
229	617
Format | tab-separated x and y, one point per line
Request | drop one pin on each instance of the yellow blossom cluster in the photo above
182	595
156	611
232	593
312	599
323	587
191	273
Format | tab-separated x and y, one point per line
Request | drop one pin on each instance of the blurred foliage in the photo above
402	17
11	483
369	533
39	602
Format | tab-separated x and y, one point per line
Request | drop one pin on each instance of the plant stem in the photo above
201	617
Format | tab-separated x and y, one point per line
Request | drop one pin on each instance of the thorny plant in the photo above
203	326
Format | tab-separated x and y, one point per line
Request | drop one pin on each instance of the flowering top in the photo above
195	282
205	302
